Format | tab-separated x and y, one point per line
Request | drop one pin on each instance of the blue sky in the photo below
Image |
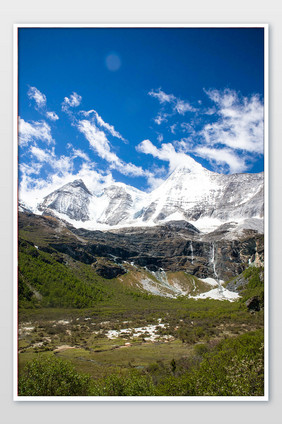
129	105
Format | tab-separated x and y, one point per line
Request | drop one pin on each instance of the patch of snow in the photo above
207	224
176	216
149	330
211	281
64	322
26	329
217	294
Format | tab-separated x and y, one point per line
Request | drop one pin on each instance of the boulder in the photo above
253	304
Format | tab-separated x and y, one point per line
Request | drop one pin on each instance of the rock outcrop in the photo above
171	247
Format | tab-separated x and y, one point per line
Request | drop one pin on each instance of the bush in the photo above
133	384
49	376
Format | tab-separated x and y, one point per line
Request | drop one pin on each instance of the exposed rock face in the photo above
171	247
109	271
119	202
71	200
237	284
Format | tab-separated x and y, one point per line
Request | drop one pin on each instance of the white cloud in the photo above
103	124
160	118
129	169
234	131
223	157
240	125
178	105
41	154
97	139
52	115
186	127
33	190
61	164
37	96
77	153
101	145
73	101
41	101
162	96
225	98
168	153
31	131
154	182
182	107
160	138
33	168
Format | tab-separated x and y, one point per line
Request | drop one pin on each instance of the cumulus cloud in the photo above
182	107
31	131
73	101
33	190
222	158
168	153
33	169
154	182
160	118
41	102
52	116
42	155
177	105
37	96
162	96
60	164
77	153
240	123
229	134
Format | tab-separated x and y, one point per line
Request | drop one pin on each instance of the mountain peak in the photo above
76	184
191	193
72	200
190	166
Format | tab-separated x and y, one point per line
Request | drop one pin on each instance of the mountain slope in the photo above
71	200
200	194
194	194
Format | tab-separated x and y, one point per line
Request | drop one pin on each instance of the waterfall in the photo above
213	262
192	253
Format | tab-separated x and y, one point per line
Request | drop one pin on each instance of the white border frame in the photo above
16	27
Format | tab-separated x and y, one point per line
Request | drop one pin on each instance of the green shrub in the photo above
133	384
49	376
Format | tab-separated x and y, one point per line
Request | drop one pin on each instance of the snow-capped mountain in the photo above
191	193
120	203
197	194
71	200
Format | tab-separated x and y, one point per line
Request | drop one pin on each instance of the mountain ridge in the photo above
202	197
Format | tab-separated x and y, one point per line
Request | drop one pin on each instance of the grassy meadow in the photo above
84	335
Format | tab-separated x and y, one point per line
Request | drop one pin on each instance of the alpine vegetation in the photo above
141	213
